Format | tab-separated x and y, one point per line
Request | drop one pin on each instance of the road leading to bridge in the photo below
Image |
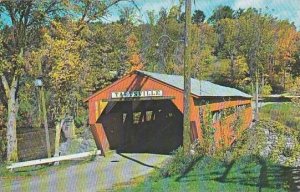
98	175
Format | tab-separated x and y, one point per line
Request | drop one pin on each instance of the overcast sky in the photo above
283	9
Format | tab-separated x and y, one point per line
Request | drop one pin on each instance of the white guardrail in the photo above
52	159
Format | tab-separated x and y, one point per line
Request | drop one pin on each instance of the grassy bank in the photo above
247	173
285	113
240	168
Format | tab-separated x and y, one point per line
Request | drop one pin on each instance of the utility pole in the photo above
42	93
256	96
187	78
40	86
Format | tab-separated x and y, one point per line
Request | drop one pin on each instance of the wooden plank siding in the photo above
135	82
224	133
132	82
139	82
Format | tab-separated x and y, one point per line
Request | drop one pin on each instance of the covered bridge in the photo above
142	112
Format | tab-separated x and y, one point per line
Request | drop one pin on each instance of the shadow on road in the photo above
137	161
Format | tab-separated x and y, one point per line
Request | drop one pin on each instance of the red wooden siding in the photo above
195	121
225	135
131	82
138	82
100	137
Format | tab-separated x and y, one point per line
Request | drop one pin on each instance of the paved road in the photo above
98	175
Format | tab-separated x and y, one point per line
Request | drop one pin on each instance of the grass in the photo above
244	174
7	177
245	170
285	113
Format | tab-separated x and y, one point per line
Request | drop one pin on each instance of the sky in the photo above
283	9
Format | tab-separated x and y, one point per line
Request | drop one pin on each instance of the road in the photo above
99	175
261	104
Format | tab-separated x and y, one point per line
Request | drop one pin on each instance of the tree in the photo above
228	43
22	36
81	48
135	58
106	52
286	47
198	17
222	12
25	17
257	44
257	39
127	15
181	18
162	47
60	54
203	40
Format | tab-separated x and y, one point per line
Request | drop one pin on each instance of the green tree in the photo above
169	36
286	48
222	12
203	43
229	43
127	15
25	19
198	17
257	39
60	53
22	35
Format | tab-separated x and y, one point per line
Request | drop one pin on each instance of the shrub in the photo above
81	120
208	143
179	164
266	90
288	152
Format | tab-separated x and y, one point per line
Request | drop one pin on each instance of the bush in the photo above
179	164
288	152
81	120
286	113
266	90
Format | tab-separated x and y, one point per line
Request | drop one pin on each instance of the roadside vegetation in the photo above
227	48
255	162
75	49
27	174
287	114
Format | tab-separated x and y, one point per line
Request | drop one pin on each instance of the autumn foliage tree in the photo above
286	38
61	57
79	53
20	36
135	58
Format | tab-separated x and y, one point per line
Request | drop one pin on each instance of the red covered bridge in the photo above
142	112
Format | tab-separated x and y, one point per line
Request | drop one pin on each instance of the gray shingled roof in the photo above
199	88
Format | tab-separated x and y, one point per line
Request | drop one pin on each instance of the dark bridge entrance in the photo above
151	126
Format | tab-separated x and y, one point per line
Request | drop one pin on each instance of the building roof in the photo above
199	88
